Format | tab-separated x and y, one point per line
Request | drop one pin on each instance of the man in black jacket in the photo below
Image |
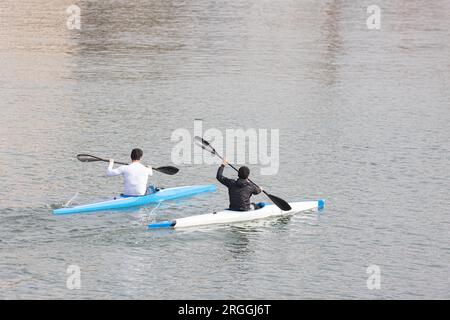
239	190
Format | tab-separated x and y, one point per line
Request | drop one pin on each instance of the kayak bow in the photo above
229	216
129	202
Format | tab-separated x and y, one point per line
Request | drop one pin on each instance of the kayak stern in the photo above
320	204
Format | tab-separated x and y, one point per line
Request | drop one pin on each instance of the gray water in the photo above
363	119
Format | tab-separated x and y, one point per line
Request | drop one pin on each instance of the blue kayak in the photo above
124	202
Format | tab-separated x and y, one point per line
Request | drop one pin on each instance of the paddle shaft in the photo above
168	170
126	164
280	203
118	162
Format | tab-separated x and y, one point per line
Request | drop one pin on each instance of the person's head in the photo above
136	154
243	172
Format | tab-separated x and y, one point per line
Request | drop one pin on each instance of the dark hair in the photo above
136	154
243	172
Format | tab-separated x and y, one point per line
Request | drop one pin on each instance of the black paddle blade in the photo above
202	141
204	144
167	170
280	203
88	158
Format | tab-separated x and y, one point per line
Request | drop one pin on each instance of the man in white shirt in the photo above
135	174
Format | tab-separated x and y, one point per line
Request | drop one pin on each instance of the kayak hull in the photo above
228	216
130	202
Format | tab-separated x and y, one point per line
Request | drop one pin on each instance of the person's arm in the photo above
223	180
110	172
150	170
257	190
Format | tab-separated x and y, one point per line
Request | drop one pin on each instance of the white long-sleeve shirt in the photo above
135	176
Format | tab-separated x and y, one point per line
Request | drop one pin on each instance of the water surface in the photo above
363	118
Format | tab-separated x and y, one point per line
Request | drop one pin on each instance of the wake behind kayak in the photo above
129	202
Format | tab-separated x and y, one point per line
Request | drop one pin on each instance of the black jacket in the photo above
239	190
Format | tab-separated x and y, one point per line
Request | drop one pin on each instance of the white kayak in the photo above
229	216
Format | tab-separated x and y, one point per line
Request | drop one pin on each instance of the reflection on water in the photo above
237	242
333	42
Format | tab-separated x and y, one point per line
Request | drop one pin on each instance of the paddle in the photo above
280	203
90	158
